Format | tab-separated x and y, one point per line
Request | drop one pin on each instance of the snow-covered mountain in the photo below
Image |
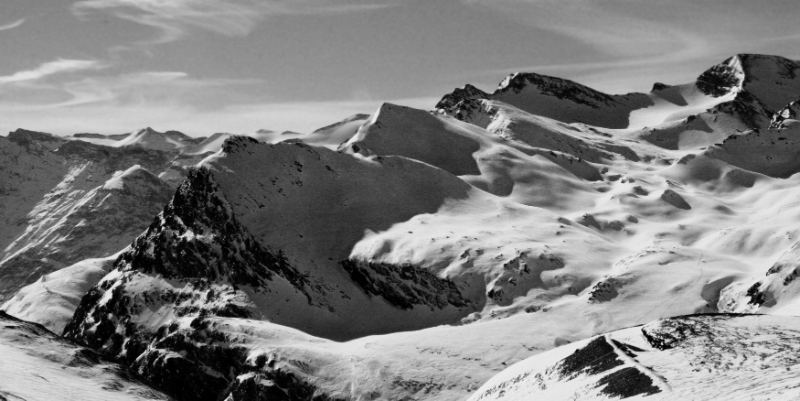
65	201
433	249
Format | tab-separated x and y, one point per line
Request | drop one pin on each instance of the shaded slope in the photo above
76	202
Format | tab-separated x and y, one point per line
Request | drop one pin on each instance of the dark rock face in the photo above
596	357
460	95
756	295
183	250
627	382
404	286
658	86
718	80
789	112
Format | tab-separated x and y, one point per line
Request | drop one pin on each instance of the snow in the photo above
732	358
37	365
673	104
51	301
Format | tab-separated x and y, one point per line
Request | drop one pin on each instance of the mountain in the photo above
52	299
147	138
748	87
79	200
335	134
732	357
90	135
434	249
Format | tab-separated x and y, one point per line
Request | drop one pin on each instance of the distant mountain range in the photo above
606	246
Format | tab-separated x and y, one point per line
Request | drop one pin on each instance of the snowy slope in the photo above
38	365
686	358
335	134
52	299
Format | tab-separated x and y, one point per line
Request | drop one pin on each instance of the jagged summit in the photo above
237	143
767	78
459	95
722	78
785	115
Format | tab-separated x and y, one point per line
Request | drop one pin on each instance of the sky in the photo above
206	66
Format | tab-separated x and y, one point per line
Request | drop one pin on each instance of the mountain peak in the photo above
722	78
459	95
237	143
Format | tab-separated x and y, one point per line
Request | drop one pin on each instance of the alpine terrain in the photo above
543	240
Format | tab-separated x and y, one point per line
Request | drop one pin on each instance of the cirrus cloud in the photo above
12	25
227	17
51	68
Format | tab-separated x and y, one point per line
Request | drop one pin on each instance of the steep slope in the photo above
77	202
38	365
695	357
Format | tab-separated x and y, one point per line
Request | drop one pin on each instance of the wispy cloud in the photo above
166	100
51	68
227	17
12	25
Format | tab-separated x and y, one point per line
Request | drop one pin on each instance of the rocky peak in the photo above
27	138
722	78
790	112
22	134
238	143
198	236
458	95
658	86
